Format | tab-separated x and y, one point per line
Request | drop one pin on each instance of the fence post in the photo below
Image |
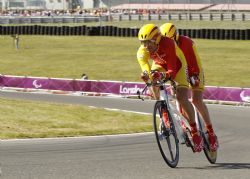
221	17
179	16
233	17
159	17
210	17
200	17
243	17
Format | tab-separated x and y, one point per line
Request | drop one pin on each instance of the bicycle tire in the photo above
210	155
166	138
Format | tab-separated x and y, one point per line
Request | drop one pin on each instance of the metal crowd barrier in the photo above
238	16
52	19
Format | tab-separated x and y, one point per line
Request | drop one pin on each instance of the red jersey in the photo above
165	56
187	46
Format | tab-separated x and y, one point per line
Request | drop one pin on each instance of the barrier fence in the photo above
188	16
220	34
233	94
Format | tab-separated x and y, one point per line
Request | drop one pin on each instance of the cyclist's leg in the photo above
182	93
197	99
202	108
182	97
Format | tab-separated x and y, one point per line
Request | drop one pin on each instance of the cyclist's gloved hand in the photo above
194	80
145	76
158	76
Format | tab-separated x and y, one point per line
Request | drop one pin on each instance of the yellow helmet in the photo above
149	32
168	30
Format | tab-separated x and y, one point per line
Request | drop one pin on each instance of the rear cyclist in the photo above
196	76
168	62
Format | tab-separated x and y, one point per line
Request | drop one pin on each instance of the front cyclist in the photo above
196	76
168	62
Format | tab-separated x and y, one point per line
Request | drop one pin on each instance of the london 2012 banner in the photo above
234	94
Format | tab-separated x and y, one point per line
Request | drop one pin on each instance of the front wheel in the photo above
166	136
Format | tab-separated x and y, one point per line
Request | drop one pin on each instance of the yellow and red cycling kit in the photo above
168	58
193	60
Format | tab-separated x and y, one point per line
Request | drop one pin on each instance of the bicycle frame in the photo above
165	96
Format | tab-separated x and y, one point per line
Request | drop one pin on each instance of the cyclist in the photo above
168	62
196	76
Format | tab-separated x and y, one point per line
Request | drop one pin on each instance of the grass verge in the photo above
27	119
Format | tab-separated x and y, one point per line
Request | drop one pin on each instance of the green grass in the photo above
226	63
26	119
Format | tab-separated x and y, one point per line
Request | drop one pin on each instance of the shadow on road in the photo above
229	166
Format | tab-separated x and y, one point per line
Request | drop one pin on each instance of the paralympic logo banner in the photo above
227	94
112	87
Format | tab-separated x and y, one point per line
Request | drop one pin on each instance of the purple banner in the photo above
223	94
122	88
114	87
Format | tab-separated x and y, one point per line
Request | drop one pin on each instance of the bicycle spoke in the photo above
170	148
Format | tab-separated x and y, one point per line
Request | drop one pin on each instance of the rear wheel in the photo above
211	155
166	135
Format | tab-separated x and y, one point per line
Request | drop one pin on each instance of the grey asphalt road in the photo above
134	156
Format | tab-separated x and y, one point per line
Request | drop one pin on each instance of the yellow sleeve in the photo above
142	58
180	55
